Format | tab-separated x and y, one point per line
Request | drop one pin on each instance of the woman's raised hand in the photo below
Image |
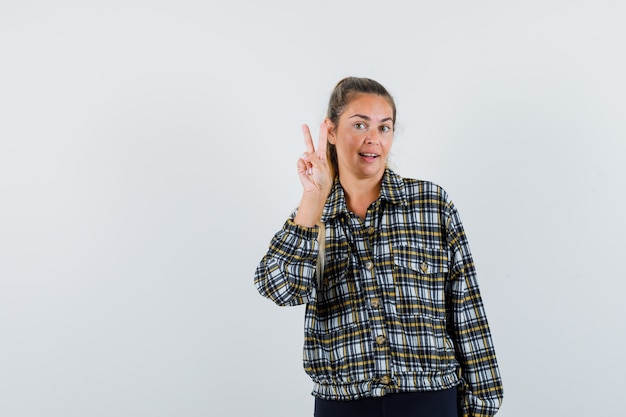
316	178
313	169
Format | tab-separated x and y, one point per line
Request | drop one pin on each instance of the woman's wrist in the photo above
310	209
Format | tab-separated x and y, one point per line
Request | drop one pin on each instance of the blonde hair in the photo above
321	256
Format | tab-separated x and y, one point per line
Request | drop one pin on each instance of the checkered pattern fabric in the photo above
397	307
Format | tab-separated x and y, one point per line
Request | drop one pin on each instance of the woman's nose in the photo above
372	138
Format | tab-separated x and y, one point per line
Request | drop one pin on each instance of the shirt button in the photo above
424	267
375	303
385	380
371	231
369	265
380	339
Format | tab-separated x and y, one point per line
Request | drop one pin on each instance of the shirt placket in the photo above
364	239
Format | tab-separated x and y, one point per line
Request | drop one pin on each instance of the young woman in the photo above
394	322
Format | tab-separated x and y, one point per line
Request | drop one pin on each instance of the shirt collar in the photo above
391	190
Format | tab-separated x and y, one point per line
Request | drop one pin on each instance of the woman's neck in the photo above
360	193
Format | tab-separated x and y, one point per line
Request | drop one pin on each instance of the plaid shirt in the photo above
398	307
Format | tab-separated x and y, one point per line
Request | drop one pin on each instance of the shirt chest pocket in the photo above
420	274
338	298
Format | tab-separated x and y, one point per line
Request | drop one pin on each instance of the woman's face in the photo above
363	136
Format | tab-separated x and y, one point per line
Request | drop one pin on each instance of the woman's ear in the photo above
331	131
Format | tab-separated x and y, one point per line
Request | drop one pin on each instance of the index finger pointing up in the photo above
308	140
321	144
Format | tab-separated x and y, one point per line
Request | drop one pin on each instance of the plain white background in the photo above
147	156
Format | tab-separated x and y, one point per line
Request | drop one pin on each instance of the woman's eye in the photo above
359	126
385	129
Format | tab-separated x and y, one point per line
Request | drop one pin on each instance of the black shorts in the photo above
409	404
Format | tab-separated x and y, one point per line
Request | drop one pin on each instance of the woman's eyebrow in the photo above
362	116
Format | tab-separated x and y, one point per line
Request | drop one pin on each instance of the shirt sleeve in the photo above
481	391
286	274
